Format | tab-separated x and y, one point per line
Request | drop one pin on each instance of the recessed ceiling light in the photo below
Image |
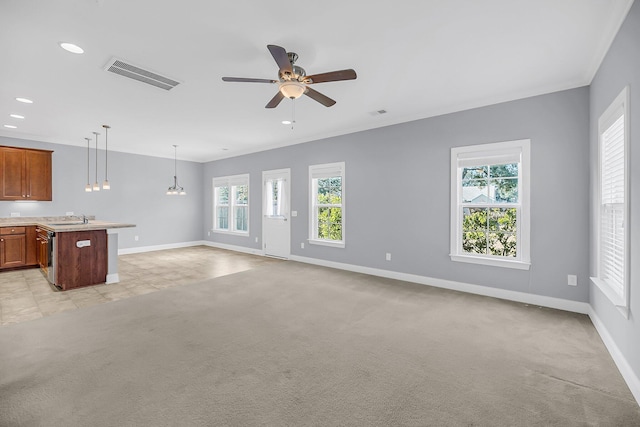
16	116
11	126
25	100
70	47
286	122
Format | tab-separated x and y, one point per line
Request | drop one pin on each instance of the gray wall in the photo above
137	195
621	67
397	193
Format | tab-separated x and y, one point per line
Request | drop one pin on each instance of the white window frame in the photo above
619	297
325	171
491	153
231	181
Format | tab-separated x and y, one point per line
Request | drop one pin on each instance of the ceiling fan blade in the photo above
275	100
281	57
247	80
322	99
332	76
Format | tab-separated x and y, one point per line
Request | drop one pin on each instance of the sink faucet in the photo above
85	220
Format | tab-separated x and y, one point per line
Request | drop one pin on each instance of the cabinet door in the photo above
13	250
38	175
31	246
12	176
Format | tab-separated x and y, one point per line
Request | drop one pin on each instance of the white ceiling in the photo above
414	59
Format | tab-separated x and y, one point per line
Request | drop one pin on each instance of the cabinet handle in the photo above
28	195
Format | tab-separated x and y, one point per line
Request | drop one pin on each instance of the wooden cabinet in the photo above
25	174
17	247
13	247
42	250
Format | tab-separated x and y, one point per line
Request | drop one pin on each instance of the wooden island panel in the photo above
81	266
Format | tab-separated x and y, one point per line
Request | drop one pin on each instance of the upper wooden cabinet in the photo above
25	174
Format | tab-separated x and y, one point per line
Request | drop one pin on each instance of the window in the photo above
612	230
231	204
490	204
326	222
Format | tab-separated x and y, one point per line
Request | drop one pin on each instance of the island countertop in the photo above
62	224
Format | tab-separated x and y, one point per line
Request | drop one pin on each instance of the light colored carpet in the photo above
290	344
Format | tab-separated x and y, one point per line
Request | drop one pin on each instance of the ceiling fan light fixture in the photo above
292	89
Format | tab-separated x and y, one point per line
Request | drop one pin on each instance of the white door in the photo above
276	227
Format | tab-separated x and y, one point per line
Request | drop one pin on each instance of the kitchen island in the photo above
71	253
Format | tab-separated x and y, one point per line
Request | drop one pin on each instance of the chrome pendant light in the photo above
96	185
175	189
105	184
87	188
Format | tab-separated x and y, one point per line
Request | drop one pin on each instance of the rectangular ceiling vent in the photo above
125	69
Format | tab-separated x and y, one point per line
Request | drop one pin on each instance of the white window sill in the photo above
235	233
520	265
332	243
614	297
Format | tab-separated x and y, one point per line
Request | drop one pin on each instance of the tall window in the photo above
490	204
231	204
326	222
612	275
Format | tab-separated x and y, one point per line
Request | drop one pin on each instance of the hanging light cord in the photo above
106	150
88	160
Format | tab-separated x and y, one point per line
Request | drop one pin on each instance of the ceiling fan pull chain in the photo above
293	113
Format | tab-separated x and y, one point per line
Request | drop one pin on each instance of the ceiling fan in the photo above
293	81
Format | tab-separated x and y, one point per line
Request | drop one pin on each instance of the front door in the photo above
276	227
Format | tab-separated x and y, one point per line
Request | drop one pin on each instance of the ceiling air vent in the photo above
125	69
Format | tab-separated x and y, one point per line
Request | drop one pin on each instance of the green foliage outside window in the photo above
329	205
490	230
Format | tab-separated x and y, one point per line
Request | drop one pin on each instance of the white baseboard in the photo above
141	249
112	278
557	303
625	369
233	248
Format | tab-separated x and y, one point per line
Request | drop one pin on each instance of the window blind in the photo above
613	205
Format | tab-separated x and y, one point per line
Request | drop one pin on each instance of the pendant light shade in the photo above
105	183
87	188
96	185
175	189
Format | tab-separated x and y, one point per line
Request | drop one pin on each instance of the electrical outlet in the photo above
15	214
302	245
572	280
69	213
388	256
294	213
135	238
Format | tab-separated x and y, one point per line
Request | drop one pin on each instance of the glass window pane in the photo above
222	193
474	242
241	218
329	190
241	194
222	215
474	219
475	191
503	190
474	172
503	171
502	244
502	219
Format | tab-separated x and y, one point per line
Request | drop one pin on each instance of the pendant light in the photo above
87	188
175	189
105	184
96	185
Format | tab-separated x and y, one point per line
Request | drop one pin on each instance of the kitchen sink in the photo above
66	223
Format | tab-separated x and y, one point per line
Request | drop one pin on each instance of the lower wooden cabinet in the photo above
17	247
